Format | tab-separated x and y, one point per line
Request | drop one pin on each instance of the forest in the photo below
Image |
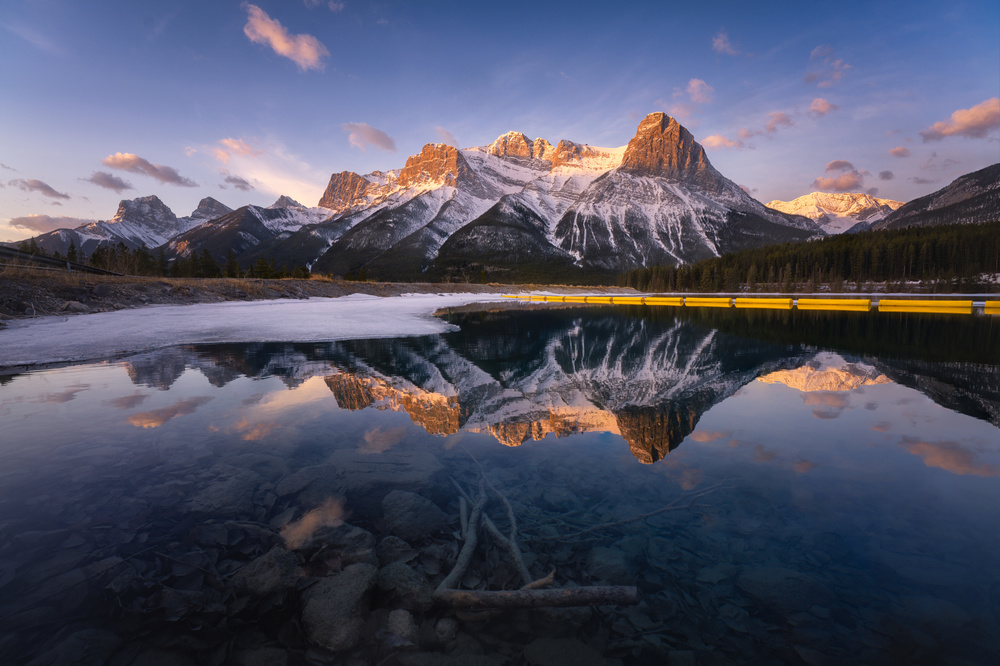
954	258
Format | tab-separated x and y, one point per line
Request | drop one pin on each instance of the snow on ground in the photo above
108	334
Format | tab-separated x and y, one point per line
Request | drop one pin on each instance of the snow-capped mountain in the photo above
970	199
141	221
520	201
837	213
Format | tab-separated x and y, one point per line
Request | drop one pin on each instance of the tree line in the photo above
120	258
947	258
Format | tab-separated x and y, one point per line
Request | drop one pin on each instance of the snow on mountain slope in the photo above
838	212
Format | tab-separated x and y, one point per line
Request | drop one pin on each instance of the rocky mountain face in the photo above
141	221
838	212
970	199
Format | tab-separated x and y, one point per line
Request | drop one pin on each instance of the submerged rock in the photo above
275	570
411	589
562	652
411	516
351	543
393	549
335	608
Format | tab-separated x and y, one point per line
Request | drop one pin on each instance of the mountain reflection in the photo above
521	375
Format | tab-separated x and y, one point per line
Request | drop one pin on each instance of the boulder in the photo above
411	589
276	570
335	608
410	516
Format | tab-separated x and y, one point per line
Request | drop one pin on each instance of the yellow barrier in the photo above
992	307
708	302
767	303
509	296
598	299
663	300
538	298
628	300
941	307
575	299
840	304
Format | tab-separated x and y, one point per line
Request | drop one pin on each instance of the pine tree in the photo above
71	254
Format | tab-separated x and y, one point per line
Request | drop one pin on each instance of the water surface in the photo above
817	488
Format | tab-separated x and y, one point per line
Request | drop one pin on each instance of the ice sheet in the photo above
108	334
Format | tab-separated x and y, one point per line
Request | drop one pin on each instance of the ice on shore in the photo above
108	334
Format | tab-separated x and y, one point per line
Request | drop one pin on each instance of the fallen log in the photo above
594	595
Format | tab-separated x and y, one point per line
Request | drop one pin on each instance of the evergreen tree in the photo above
71	254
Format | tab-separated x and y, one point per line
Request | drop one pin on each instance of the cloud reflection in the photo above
157	417
949	456
128	401
330	514
827	405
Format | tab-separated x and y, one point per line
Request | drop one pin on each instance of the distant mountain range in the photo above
838	212
522	206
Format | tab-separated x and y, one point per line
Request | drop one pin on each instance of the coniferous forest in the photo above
949	258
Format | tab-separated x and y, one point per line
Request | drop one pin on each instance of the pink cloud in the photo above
830	70
699	91
446	136
820	107
777	119
842	177
46	223
362	135
950	456
108	181
34	185
229	147
720	141
839	165
900	151
135	164
304	50
721	44
972	123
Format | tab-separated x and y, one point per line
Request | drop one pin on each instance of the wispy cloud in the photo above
332	5
135	164
157	417
950	456
363	135
820	107
828	70
229	147
34	185
304	50
720	141
721	44
46	223
241	184
973	123
699	91
446	136
900	151
108	181
777	120
33	37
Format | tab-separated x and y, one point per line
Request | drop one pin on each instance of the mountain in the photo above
243	229
522	204
827	372
837	213
970	199
141	221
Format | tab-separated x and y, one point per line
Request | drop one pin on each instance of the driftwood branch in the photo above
594	595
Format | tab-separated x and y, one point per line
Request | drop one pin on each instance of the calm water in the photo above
781	487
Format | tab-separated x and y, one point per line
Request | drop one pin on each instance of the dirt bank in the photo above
32	293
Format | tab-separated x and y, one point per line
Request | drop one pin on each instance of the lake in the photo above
776	486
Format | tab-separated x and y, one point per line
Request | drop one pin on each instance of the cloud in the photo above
189	151
8	168
229	147
820	107
923	181
33	185
46	223
128	401
829	70
826	404
157	417
839	165
699	91
304	50
241	184
706	436
135	164
63	396
721	44
108	181
886	175
362	135
335	6
330	514
720	141
949	456
777	119
35	38
378	440
872	191
842	177
933	164
972	123
900	151
446	136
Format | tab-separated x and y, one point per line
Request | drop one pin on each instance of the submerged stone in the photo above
411	516
335	608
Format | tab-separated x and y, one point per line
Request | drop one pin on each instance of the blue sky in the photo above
106	100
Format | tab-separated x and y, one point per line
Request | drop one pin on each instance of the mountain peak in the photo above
663	147
209	209
286	202
837	212
436	163
142	208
